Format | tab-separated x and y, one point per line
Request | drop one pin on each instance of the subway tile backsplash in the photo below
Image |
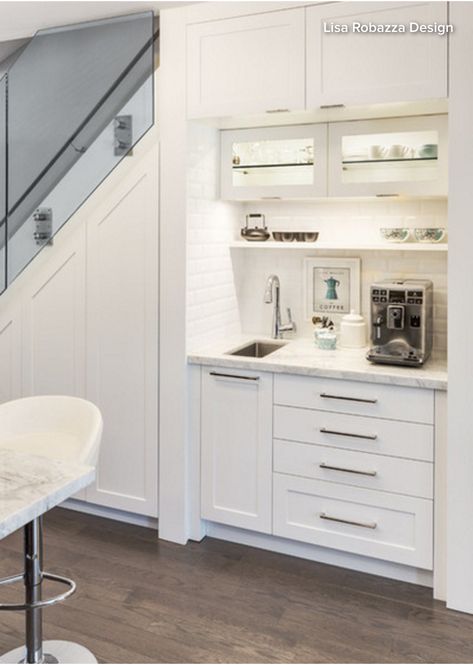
225	286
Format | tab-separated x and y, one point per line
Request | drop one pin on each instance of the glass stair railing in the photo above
73	103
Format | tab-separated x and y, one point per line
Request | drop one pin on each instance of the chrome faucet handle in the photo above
290	326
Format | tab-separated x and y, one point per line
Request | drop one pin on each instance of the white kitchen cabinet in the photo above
122	340
244	65
401	156
274	162
236	447
388	157
357	68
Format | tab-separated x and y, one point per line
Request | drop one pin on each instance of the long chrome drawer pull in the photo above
370	437
349	399
234	376
322	465
365	525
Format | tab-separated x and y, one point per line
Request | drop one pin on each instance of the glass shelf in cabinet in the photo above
247	167
389	161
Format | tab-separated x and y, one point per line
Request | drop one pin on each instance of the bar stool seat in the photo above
59	428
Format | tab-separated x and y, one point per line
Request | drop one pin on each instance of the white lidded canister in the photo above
353	331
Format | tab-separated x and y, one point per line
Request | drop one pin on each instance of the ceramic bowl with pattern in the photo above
395	234
429	235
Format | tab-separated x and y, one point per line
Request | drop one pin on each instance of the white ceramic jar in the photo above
353	331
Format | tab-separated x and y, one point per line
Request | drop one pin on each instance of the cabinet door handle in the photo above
239	377
322	465
364	525
332	106
370	437
362	400
277	111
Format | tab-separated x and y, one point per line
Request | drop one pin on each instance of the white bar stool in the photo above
60	428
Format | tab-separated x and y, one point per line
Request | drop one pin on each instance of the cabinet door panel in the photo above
236	448
122	341
401	156
54	323
361	68
274	162
250	64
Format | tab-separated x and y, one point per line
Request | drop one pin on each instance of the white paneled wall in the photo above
225	287
212	309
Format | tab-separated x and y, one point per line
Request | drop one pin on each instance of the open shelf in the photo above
311	246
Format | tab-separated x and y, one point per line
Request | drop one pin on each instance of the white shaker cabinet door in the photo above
244	65
372	68
237	447
53	304
122	340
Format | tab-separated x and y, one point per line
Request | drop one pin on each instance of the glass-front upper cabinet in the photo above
403	156
274	162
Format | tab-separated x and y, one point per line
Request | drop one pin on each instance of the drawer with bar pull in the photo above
348	467
355	397
372	435
353	519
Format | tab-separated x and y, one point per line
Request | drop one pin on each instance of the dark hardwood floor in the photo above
141	600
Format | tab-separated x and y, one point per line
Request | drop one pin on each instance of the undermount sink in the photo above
257	349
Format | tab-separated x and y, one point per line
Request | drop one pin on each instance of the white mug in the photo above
398	151
377	151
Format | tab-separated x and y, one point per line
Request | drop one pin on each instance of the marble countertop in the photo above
301	356
30	485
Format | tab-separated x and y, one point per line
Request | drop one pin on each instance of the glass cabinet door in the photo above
400	156
274	162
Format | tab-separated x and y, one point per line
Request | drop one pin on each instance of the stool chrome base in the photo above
55	651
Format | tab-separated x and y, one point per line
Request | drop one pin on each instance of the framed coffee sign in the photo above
332	286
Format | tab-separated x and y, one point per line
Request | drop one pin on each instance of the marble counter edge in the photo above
373	374
38	507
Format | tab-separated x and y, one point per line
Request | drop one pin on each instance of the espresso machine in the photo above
401	322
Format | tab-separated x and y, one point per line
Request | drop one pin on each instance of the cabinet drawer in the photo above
375	524
371	435
365	399
378	472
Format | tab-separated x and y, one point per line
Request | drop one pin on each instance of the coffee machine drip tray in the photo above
396	352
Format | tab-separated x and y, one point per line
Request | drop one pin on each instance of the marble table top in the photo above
301	356
30	485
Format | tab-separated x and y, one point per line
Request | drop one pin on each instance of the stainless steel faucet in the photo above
277	327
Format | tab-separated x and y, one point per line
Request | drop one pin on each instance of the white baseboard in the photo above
321	554
110	513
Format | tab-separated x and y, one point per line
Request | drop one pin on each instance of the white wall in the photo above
460	381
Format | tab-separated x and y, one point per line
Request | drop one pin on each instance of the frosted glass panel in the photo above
390	157
273	162
79	98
